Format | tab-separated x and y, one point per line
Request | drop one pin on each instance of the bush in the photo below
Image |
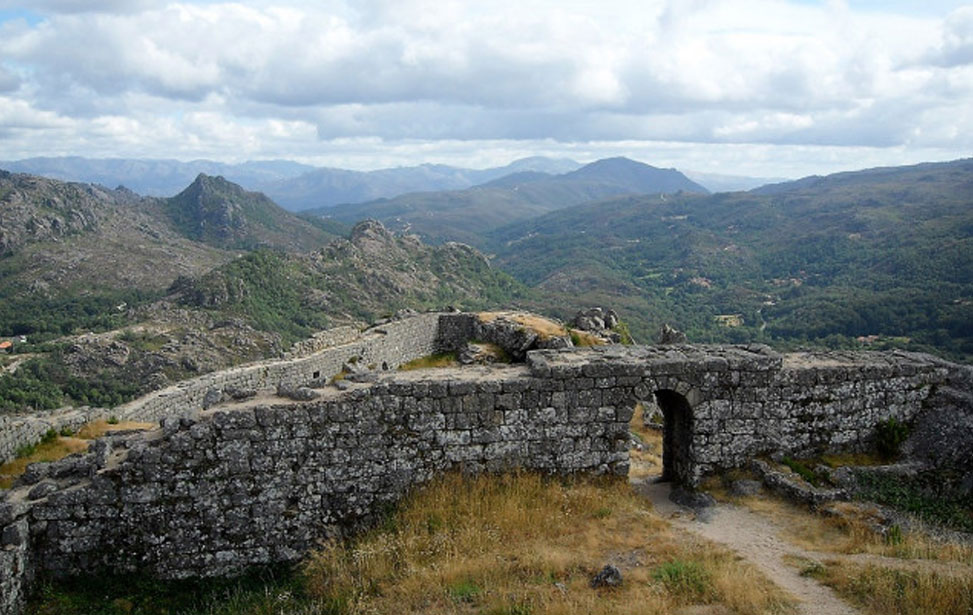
889	436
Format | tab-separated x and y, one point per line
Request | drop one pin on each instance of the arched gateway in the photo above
239	484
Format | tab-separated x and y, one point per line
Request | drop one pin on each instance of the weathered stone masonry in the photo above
389	345
237	485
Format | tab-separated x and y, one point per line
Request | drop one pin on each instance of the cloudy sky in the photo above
771	88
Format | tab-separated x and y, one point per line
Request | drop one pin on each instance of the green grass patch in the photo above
801	469
686	579
264	592
931	496
464	591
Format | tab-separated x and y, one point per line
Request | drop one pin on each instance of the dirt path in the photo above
9	369
758	541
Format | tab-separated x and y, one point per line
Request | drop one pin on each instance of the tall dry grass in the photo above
881	591
850	529
523	544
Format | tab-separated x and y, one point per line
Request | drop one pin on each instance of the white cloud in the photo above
266	78
81	6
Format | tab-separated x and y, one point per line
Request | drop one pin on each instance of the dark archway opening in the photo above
677	436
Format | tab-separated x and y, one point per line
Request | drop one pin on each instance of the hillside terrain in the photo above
467	215
220	213
885	253
79	253
371	274
118	294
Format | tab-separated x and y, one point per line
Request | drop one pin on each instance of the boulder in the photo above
609	576
669	336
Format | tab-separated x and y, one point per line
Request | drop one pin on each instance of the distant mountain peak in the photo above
221	213
638	176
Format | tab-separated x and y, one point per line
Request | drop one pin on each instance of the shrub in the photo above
889	436
801	469
621	328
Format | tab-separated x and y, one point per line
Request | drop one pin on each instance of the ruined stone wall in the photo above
387	345
262	481
815	404
17	430
253	483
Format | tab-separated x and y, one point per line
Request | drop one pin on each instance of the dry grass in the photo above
60	447
853	459
543	327
881	591
524	544
583	338
851	531
434	360
648	461
97	429
56	449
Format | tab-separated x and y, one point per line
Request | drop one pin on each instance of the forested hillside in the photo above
886	252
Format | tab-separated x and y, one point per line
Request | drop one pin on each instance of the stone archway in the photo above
677	436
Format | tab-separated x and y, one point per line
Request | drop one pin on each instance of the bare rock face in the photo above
598	321
513	337
371	237
595	320
670	336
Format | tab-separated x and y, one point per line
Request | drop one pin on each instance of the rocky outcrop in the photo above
669	336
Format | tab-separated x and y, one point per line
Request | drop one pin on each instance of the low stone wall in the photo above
383	347
742	402
386	346
17	431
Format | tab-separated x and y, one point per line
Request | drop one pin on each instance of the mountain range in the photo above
469	215
217	274
297	186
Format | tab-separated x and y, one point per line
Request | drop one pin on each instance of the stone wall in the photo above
21	430
743	402
385	346
256	482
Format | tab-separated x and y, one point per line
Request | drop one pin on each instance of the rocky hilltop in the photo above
370	274
220	213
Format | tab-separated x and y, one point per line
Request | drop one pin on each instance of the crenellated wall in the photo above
238	484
